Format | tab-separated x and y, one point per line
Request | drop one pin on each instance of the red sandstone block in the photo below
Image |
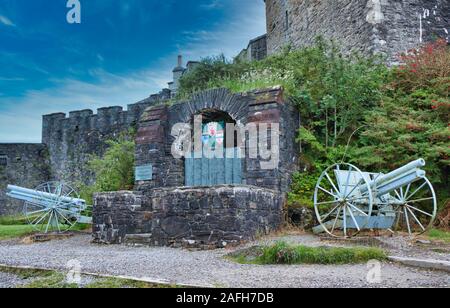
150	134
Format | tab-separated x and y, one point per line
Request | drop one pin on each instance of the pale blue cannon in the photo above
347	200
52	207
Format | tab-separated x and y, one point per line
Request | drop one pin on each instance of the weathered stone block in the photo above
216	216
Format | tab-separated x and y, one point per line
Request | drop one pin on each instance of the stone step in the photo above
423	263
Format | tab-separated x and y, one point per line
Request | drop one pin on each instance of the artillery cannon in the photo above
52	206
347	200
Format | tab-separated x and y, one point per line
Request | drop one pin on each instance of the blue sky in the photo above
122	51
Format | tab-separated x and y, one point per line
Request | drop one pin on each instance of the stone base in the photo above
204	217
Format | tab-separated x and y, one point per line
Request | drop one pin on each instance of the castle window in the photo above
3	160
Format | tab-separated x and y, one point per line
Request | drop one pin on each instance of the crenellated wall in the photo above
386	27
72	139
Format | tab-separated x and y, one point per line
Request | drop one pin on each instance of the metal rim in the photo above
56	214
416	208
342	202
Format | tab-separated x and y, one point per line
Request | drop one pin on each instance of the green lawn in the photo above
284	253
439	235
17	226
13	231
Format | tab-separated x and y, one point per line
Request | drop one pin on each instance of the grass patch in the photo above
13	220
25	273
17	231
53	280
44	279
284	253
13	231
116	283
17	226
439	235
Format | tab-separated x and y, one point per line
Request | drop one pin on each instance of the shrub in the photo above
426	67
113	171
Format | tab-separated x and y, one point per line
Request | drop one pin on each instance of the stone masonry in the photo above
162	211
24	165
201	217
387	27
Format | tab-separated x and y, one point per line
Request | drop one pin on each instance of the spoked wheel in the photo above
416	207
54	210
343	200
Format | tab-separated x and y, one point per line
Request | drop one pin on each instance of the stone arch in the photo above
215	99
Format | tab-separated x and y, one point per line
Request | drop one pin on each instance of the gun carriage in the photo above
347	200
52	206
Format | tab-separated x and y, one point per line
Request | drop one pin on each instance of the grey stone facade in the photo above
255	51
388	27
24	165
203	217
162	211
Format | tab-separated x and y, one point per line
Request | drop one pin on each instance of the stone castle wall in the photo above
255	51
388	27
24	165
72	140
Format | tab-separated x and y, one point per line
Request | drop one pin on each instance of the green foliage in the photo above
408	127
113	171
284	253
302	188
207	74
411	121
353	108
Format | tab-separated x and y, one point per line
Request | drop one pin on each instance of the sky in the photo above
120	53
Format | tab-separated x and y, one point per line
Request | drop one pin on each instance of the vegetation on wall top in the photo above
353	108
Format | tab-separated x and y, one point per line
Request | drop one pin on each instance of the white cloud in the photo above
213	4
6	21
247	23
20	118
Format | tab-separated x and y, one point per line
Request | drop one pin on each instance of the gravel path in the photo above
205	267
9	280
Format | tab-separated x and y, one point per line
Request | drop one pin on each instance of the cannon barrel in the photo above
398	178
21	193
417	164
400	181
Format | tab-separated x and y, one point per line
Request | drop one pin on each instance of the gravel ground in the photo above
10	280
207	268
